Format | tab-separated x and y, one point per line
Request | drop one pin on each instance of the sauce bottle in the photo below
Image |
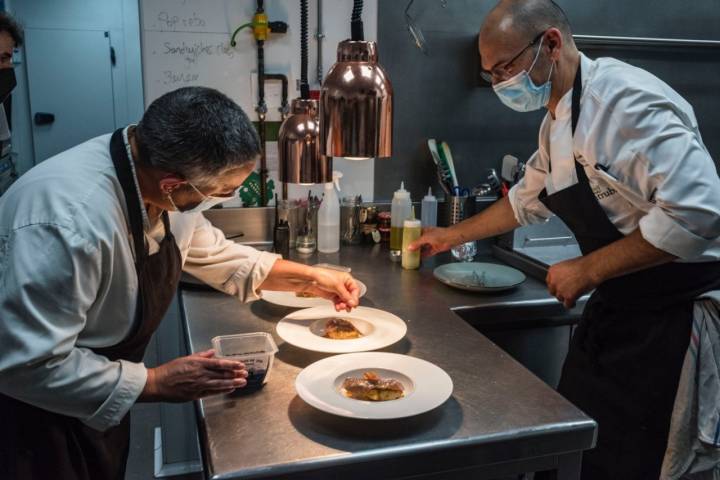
412	229
399	212
428	212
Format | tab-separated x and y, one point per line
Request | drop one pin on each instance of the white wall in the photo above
186	42
120	18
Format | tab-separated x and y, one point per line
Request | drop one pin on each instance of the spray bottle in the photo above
329	217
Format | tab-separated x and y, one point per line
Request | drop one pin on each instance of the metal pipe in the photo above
645	41
262	111
319	35
284	105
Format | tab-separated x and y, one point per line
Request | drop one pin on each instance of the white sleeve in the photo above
49	277
237	270
664	160
528	209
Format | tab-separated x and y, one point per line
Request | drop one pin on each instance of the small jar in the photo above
350	220
368	223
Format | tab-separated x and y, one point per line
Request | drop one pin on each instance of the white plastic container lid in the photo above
244	344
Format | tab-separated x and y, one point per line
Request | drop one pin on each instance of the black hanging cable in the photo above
356	24
304	87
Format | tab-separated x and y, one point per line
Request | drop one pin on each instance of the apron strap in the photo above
575	112
166	225
577	92
132	200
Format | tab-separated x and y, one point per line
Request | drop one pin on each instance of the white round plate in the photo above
427	386
305	329
289	299
479	277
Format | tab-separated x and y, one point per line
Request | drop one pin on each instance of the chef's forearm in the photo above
288	276
495	220
629	254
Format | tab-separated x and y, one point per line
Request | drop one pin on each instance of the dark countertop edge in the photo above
539	302
586	429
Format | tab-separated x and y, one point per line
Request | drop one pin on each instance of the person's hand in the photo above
339	287
433	241
193	377
570	279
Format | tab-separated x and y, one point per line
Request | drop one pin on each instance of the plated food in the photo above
374	385
340	329
373	388
322	329
302	299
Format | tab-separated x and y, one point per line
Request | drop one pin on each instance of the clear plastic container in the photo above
256	350
328	240
400	211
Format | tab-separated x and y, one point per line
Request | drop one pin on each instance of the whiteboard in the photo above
187	42
181	59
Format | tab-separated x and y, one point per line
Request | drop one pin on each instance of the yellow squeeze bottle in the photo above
412	229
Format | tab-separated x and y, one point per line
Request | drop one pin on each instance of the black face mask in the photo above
7	83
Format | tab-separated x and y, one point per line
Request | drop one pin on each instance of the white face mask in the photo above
521	94
207	202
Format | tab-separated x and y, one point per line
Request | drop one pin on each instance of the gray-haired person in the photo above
92	244
11	37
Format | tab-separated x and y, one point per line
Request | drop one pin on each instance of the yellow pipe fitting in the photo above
260	26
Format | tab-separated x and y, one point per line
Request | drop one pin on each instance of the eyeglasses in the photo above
503	72
221	195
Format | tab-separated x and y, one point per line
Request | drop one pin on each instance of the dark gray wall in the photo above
438	96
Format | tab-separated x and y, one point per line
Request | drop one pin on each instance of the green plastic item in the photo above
250	191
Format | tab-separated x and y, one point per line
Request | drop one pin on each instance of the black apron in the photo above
40	445
626	354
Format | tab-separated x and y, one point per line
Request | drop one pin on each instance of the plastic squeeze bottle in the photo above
412	229
399	212
428	212
329	217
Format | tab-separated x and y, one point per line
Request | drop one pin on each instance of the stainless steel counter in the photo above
500	420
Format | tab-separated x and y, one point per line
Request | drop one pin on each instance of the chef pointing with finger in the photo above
621	161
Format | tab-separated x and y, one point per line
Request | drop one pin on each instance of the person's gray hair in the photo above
535	16
196	133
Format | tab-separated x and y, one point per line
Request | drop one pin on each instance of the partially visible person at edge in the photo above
11	37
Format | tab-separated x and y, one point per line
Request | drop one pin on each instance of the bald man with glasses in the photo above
621	161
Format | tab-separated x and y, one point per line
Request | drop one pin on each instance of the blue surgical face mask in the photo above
521	94
206	203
